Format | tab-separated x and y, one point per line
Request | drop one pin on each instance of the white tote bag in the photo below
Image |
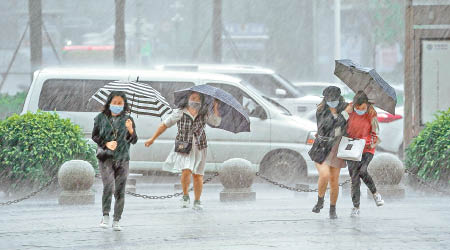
351	149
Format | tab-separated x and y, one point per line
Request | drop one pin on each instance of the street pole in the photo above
138	32
35	12
337	29
119	34
217	31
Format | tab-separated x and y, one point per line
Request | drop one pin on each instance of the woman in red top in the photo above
363	124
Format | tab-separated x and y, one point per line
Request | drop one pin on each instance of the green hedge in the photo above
34	146
429	153
11	104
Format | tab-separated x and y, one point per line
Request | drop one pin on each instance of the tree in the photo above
119	34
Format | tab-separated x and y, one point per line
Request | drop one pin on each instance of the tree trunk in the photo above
119	34
35	12
217	31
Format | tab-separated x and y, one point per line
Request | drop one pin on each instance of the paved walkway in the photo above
278	219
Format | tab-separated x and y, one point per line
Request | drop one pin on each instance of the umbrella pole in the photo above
132	104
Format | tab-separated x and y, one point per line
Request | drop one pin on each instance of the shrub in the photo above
11	104
428	155
34	146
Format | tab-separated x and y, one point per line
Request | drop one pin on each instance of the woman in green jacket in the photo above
114	131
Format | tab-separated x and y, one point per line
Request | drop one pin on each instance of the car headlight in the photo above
311	138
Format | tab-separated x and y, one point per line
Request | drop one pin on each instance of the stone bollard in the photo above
237	175
387	171
76	177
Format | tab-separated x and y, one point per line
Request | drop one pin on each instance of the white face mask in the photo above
195	105
333	104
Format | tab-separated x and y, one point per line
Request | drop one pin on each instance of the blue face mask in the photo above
360	112
333	104
115	109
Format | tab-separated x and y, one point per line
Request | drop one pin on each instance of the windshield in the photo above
312	90
280	107
267	84
267	100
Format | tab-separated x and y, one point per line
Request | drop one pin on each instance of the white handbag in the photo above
351	149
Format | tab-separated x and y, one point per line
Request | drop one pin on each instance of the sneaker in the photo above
116	226
355	212
185	201
378	200
197	206
105	221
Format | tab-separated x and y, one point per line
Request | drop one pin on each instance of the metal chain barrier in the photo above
46	185
162	197
305	190
425	183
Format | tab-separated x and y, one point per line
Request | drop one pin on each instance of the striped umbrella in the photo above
142	99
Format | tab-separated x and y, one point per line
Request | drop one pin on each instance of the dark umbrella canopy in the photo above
234	118
356	77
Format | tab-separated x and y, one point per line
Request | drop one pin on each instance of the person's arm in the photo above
169	122
112	145
214	119
157	133
375	132
96	134
131	136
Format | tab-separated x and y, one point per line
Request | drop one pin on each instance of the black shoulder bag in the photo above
183	146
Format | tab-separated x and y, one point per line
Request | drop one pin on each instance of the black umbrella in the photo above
356	77
234	118
143	99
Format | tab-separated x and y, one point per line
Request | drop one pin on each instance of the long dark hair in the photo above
204	107
360	98
126	107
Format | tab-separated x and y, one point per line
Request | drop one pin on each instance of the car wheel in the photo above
284	167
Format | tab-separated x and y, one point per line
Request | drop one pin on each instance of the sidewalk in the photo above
278	219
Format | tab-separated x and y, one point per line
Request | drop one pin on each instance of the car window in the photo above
267	84
70	95
243	98
167	88
312	90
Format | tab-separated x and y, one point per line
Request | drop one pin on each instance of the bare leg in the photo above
334	185
324	176
198	186
186	181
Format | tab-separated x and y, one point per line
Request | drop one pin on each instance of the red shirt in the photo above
360	126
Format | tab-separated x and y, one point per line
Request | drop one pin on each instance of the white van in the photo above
267	82
277	144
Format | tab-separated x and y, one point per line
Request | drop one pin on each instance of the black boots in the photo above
333	214
319	205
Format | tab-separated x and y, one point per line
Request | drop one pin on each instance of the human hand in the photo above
349	108
129	126
112	145
149	142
